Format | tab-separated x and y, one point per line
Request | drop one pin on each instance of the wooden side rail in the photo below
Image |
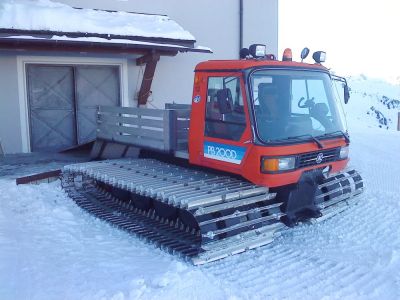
159	129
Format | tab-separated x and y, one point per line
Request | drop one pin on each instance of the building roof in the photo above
44	23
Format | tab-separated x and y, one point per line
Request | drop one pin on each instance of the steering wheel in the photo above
303	103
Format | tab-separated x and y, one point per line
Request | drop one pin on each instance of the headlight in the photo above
272	165
344	152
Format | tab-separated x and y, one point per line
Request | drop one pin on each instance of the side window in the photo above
225	117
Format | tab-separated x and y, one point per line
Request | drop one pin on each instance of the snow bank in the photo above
50	16
374	103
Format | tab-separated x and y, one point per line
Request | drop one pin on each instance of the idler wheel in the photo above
120	194
141	202
188	219
165	210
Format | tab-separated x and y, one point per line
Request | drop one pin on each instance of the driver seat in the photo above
320	112
265	89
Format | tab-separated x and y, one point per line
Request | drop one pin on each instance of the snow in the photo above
51	16
374	102
51	249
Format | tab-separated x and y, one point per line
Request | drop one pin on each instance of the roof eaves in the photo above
96	43
49	34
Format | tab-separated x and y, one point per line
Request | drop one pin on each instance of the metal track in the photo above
231	215
145	224
337	193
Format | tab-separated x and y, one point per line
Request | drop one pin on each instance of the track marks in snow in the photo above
353	256
54	250
49	248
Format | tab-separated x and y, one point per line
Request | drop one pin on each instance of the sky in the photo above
359	37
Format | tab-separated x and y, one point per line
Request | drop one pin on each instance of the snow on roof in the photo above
139	44
44	15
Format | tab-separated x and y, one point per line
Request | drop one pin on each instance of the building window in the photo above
225	117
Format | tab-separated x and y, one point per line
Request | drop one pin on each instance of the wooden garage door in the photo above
63	100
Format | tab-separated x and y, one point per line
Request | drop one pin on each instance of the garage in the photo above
62	103
54	74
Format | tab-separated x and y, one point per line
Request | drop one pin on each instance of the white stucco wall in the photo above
260	20
215	24
10	126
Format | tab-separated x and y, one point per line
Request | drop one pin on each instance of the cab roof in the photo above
242	64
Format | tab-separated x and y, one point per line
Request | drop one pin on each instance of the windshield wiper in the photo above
320	146
346	137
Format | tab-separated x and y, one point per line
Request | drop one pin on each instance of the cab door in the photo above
226	123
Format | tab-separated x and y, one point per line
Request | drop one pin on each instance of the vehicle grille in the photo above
310	158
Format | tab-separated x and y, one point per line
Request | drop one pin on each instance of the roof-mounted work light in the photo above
258	50
244	53
319	56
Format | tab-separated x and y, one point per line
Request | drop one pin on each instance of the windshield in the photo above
292	104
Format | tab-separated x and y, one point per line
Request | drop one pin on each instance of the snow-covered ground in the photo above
51	249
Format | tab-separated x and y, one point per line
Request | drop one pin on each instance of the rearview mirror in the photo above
343	83
304	53
346	93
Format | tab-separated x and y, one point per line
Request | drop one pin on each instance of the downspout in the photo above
240	25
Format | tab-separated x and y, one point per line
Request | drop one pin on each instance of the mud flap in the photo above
299	200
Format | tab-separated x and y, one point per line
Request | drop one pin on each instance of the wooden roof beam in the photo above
150	60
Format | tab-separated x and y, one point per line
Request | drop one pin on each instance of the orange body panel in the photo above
221	65
250	166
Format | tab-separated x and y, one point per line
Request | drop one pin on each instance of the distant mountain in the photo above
373	103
